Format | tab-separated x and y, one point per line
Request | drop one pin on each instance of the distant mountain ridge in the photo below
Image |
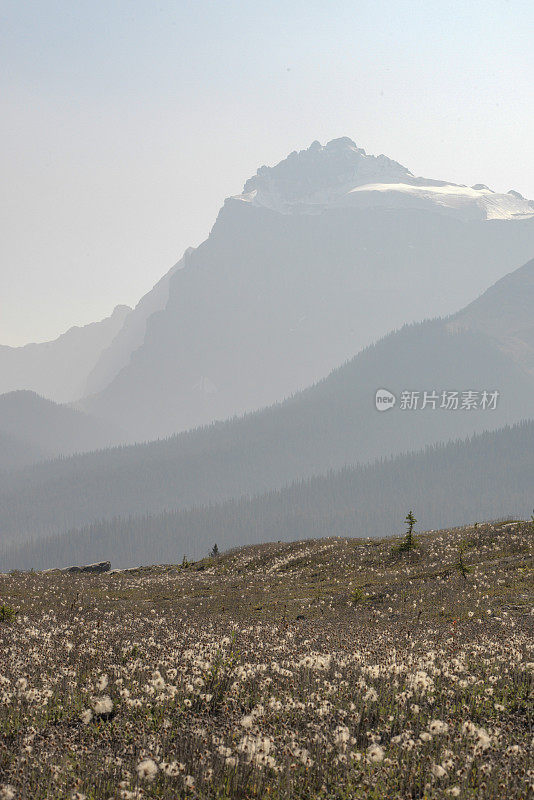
505	312
332	424
34	429
58	370
320	256
131	334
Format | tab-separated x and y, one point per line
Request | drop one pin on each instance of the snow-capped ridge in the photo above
319	174
341	174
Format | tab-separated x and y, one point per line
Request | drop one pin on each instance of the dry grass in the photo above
319	669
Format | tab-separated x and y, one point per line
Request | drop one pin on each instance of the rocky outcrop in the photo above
100	566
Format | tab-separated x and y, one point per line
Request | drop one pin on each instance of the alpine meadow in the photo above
267	401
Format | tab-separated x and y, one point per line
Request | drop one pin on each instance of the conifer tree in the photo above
409	542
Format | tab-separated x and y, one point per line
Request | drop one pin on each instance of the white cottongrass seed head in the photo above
147	769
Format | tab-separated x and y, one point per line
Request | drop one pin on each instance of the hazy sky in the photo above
126	123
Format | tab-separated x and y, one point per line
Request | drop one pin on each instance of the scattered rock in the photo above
100	566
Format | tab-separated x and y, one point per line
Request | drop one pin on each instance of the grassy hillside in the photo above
326	669
448	485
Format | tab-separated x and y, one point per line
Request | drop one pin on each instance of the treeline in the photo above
331	425
487	476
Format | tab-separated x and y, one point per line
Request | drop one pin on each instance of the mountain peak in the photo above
321	172
340	174
343	143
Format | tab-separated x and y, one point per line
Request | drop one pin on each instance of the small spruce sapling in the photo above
214	551
409	542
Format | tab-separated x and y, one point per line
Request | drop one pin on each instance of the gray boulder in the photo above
100	566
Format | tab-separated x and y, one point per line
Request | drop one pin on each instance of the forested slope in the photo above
478	479
333	424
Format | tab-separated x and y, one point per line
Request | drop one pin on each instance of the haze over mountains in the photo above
327	426
131	335
34	429
16	453
335	274
488	476
320	256
58	370
297	276
505	313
